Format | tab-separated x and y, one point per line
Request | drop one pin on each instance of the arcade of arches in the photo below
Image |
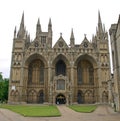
62	89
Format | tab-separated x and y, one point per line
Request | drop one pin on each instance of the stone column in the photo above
71	84
49	84
100	86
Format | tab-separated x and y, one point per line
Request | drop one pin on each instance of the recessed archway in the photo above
60	99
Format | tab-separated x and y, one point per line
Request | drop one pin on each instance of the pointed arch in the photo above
36	72
41	96
85	69
60	64
12	94
35	57
60	68
16	98
60	57
104	96
90	58
60	99
80	97
32	96
89	96
36	65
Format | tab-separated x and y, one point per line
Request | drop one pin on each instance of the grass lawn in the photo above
83	108
33	111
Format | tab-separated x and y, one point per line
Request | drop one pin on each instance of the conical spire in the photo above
50	25
22	22
72	39
99	17
38	28
21	31
38	23
15	32
72	34
100	28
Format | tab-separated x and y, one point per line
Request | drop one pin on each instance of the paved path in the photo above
102	113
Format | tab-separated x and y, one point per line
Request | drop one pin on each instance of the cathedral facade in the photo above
62	73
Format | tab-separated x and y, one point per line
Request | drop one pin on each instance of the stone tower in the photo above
115	46
59	74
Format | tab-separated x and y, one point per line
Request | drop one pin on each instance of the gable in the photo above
60	43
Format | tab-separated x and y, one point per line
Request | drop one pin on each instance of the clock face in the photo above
85	44
60	44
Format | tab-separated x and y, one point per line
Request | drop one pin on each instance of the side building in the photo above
59	74
115	46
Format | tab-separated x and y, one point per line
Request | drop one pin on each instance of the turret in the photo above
38	29
50	33
21	32
100	28
72	39
101	33
50	25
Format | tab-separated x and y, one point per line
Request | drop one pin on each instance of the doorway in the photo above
60	99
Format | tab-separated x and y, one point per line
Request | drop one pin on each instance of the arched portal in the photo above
60	99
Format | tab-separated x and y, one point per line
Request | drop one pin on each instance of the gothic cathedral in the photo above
61	73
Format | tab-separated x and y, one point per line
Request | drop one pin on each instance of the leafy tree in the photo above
3	88
1	78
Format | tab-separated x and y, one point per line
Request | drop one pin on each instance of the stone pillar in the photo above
72	83
100	86
54	100
49	84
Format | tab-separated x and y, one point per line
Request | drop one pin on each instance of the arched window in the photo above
85	72
60	68
36	72
91	75
79	73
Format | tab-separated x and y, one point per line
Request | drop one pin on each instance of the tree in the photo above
1	78
3	88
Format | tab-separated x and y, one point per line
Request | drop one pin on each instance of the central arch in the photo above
60	99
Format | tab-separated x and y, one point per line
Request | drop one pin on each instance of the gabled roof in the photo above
85	42
60	43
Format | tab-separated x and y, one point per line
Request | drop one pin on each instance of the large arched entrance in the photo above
60	99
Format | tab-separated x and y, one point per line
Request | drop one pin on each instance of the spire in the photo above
22	22
50	25
99	17
21	31
72	34
72	39
38	28
100	28
15	32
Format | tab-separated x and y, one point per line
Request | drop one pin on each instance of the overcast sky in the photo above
81	15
